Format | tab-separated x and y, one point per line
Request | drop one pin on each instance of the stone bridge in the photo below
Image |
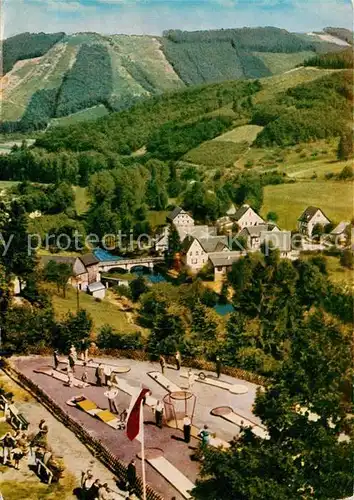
129	264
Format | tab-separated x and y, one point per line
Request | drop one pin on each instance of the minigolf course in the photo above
233	388
50	372
231	416
92	409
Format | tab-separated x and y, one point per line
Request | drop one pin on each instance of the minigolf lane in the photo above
91	363
231	416
155	458
164	382
50	372
233	388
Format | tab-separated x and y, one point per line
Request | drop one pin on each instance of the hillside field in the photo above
101	312
290	200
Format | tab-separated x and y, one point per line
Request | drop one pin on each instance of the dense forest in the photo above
26	46
127	131
88	83
333	60
203	56
310	111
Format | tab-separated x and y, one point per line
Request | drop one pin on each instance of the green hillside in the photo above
118	70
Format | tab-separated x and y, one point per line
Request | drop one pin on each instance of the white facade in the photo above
196	257
249	218
306	226
183	219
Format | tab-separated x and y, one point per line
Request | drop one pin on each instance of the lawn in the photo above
80	116
216	154
339	274
279	62
279	83
35	490
290	200
102	313
82	201
157	218
245	133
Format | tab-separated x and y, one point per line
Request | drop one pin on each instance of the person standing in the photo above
162	364
191	380
187	426
84	376
8	444
204	434
107	374
111	394
218	366
159	414
56	359
178	360
72	361
87	481
99	375
131	476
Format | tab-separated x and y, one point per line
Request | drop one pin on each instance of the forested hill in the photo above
47	73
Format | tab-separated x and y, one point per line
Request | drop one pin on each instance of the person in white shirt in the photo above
111	395
187	425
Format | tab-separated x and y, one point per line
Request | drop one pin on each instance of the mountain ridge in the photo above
66	74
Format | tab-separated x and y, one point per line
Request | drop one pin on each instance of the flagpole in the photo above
142	449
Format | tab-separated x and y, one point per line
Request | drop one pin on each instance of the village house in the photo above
252	234
195	252
180	218
310	218
222	262
85	269
341	234
246	217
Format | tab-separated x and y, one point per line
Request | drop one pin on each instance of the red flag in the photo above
133	421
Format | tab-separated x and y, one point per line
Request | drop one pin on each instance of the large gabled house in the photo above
195	251
245	216
310	218
180	217
85	268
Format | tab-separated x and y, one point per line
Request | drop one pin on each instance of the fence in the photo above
94	445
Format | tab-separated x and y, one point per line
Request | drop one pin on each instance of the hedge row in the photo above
94	445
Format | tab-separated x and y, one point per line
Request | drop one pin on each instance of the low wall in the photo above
94	445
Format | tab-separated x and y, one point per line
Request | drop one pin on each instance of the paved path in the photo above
64	443
169	440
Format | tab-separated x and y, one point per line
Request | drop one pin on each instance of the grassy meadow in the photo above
290	200
102	312
216	154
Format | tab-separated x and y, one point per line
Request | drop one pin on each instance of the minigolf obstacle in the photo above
227	413
233	388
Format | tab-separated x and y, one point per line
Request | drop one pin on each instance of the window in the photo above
219	268
196	253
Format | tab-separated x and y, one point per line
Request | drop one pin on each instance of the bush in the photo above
108	338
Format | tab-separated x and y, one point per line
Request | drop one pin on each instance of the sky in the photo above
155	16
